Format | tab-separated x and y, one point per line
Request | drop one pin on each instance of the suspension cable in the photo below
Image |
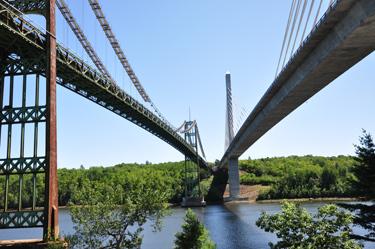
82	38
200	142
120	54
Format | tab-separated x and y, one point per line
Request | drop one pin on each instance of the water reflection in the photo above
232	225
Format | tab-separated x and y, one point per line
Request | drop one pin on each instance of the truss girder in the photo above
23	66
21	219
26	165
30	6
23	115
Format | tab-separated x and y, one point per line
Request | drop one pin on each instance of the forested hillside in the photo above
300	177
287	177
105	178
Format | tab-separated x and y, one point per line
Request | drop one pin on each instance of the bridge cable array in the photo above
238	112
294	17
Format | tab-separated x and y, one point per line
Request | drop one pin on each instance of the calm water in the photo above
232	225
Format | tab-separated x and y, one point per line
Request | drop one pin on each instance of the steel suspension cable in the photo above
120	54
178	129
82	38
189	129
200	142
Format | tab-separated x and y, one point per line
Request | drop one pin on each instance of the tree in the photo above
100	223
364	170
329	228
364	186
194	235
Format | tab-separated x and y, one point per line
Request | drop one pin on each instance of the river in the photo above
232	225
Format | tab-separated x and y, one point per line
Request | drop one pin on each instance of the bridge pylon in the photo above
233	170
28	145
193	194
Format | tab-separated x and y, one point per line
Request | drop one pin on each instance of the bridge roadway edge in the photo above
345	36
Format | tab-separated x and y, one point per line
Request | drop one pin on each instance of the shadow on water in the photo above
228	230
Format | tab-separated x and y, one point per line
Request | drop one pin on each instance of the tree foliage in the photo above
100	223
329	228
363	184
194	235
364	170
300	177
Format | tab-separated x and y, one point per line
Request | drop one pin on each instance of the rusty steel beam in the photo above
51	223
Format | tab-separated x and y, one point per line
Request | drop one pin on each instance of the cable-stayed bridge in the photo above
341	38
28	52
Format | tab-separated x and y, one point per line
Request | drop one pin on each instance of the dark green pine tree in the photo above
364	170
364	186
194	235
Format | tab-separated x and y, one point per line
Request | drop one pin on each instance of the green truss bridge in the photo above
23	49
29	52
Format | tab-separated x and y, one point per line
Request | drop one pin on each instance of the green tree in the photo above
100	223
329	228
364	185
194	235
364	170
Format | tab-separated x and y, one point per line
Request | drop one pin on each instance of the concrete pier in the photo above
193	202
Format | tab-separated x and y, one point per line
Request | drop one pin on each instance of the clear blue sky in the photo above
181	51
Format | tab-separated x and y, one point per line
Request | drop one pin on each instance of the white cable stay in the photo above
238	112
295	17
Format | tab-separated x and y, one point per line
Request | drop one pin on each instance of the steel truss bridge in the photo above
26	50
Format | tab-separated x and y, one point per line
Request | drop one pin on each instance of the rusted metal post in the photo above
51	222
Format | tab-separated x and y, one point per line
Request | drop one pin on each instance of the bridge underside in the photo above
345	36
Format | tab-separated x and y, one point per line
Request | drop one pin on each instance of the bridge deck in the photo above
344	36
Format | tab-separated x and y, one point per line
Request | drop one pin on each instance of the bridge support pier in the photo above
234	181
234	178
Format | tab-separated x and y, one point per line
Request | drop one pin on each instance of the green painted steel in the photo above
19	36
21	219
192	181
26	165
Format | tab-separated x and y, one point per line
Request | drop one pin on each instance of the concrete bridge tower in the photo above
234	177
